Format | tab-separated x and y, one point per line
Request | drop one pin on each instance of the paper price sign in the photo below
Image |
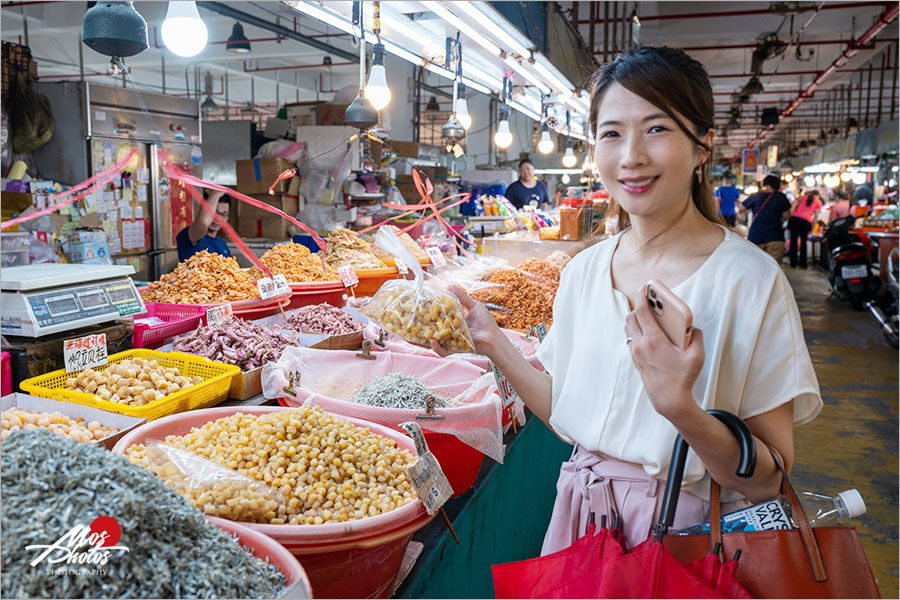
281	284
348	276
436	256
88	351
217	314
425	474
507	394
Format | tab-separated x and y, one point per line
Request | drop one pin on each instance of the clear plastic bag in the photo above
415	311
216	490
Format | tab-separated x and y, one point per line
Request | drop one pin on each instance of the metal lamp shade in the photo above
115	29
238	42
361	114
453	130
209	104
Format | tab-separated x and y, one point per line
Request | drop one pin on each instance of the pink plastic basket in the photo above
179	318
6	374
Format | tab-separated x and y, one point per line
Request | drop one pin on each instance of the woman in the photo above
800	224
841	206
615	387
769	207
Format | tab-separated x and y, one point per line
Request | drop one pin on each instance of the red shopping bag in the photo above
537	577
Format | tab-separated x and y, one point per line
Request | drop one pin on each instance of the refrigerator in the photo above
141	211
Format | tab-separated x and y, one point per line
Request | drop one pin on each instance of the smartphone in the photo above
673	315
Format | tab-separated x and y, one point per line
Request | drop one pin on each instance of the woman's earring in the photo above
699	174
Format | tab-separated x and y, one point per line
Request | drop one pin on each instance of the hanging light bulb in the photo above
503	138
462	107
859	178
377	90
566	179
183	31
569	158
545	145
846	176
809	181
788	178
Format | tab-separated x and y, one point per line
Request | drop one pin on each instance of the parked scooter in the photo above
884	306
849	264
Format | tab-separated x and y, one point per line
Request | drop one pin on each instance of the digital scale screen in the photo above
93	299
121	294
62	305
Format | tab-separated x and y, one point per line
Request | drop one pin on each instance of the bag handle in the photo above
746	466
806	530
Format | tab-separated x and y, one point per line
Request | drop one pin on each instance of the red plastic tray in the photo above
179	318
5	374
317	292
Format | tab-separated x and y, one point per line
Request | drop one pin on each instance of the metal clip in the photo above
366	353
529	333
293	377
382	335
429	415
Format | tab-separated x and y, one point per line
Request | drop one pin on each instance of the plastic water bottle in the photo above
821	510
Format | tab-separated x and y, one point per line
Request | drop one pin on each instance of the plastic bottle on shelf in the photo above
821	510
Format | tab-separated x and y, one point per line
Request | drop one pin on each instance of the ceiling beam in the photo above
757	11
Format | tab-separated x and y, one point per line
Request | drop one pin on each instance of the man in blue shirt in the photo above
203	233
727	195
520	193
770	207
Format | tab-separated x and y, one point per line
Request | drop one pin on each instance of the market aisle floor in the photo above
853	442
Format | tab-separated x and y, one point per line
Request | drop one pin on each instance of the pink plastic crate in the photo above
5	374
179	318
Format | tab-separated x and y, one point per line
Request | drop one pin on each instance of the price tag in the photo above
540	330
425	474
401	266
436	256
348	276
88	351
269	287
281	284
217	314
266	287
507	394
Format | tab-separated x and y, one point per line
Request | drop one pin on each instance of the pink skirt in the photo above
590	482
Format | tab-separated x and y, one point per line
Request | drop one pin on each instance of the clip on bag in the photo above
415	311
216	490
807	562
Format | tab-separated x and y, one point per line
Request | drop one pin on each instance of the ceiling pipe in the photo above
883	21
292	67
759	11
779	74
249	19
810	43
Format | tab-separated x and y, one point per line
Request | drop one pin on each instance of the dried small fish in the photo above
52	484
396	391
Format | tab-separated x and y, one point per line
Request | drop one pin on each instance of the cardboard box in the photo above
255	222
301	114
330	114
123	423
254	176
407	149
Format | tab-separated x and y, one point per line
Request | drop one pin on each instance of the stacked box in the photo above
255	222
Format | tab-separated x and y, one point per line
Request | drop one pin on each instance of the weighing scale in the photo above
42	299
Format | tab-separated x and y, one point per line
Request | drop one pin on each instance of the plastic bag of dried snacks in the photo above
415	311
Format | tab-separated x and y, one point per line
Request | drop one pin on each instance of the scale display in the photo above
31	310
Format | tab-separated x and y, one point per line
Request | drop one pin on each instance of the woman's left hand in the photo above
668	372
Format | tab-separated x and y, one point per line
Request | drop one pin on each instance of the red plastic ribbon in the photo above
289	174
176	173
425	190
96	182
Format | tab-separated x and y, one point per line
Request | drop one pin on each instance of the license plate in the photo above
854	272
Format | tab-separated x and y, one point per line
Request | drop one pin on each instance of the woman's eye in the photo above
657	129
608	134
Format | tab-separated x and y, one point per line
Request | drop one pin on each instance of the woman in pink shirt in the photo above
800	224
841	208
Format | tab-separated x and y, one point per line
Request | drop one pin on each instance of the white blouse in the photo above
756	357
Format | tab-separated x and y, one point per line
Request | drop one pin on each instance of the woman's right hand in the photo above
482	326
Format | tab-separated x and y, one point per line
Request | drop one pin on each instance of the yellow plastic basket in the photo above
209	392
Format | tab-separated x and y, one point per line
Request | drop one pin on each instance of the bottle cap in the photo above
854	502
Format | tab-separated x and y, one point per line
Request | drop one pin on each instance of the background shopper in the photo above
841	206
727	195
770	207
527	189
800	224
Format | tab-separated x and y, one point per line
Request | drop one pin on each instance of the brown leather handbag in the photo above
807	562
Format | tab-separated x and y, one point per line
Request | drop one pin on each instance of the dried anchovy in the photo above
396	391
235	342
322	318
51	484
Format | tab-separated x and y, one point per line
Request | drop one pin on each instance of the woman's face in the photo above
644	159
